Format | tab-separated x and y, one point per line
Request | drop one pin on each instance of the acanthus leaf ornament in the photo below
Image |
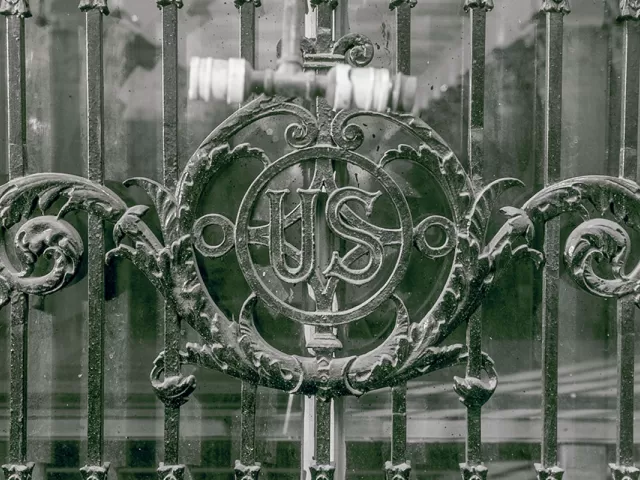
173	391
18	8
629	9
556	6
101	5
472	391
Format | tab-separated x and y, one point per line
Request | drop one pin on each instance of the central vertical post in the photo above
323	417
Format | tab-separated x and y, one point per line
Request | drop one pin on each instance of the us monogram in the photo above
337	268
347	212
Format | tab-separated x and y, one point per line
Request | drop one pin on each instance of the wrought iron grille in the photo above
335	241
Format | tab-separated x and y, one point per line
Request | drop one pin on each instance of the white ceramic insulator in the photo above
363	81
205	78
194	77
219	79
236	80
344	89
381	90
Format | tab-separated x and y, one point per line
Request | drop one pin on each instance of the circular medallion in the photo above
299	264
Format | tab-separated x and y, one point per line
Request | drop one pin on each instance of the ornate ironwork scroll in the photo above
275	230
379	255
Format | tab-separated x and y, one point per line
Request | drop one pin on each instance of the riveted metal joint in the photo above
549	473
18	8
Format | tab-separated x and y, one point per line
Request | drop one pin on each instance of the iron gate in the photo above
333	243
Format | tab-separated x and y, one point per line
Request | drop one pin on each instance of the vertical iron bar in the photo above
323	431
399	424
17	140
475	142
96	246
170	178
551	158
628	168
477	12
248	33
247	467
248	423
324	36
399	467
403	35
